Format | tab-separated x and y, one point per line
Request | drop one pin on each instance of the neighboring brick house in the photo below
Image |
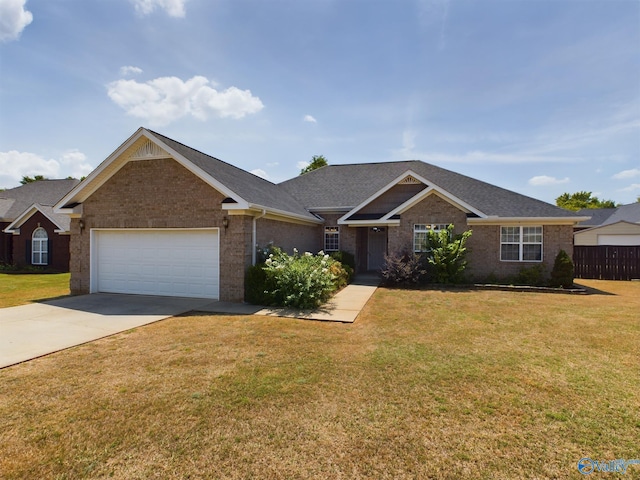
158	217
32	234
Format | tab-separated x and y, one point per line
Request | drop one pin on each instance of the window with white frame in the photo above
420	232
331	239
521	244
40	247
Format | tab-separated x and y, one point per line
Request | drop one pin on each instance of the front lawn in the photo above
426	384
18	289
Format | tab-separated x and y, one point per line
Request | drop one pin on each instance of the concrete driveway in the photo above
37	329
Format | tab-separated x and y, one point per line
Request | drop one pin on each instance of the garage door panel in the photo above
157	262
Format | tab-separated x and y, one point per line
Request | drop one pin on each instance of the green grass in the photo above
18	289
426	384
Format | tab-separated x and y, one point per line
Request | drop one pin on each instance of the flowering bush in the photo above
301	281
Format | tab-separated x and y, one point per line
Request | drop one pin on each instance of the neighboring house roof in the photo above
243	189
15	201
629	213
61	221
347	186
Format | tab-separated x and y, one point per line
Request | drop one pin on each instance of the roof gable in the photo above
344	187
15	201
61	222
390	215
247	191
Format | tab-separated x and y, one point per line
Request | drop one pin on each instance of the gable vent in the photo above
148	151
409	180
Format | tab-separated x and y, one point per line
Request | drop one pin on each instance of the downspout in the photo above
254	236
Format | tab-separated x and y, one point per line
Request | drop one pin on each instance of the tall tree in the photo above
579	200
317	161
26	179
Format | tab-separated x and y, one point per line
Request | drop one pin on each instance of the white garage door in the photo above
178	263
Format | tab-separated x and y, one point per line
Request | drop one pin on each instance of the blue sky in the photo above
538	96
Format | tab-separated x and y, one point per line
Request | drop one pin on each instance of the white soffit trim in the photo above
526	220
14	227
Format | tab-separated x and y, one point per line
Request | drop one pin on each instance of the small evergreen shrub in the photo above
404	269
562	273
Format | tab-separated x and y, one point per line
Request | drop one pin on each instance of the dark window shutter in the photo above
27	250
50	252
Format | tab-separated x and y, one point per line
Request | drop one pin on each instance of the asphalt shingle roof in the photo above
347	186
250	187
606	216
15	201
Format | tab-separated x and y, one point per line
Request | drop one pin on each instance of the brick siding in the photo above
58	244
162	194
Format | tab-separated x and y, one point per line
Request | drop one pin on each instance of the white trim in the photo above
441	193
430	188
14	227
521	243
514	221
93	246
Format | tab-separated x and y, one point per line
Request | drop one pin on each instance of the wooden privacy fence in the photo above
607	262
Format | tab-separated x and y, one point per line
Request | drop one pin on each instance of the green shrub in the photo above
446	255
562	273
345	258
300	281
255	285
535	276
404	269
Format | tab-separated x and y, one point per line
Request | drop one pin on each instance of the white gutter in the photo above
254	236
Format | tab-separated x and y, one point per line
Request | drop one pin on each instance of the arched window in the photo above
40	247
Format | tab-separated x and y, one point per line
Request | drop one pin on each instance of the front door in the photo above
377	247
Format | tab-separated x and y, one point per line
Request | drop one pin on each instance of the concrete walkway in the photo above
37	329
344	307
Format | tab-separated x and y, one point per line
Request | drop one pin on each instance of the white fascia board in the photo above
14	227
284	214
369	223
85	188
526	220
197	171
253	210
433	189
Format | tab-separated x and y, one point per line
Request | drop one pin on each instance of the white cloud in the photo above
14	165
630	188
13	19
165	99
544	181
260	173
309	119
634	172
129	70
302	165
174	8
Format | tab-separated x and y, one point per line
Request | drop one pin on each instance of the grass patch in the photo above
426	384
18	289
